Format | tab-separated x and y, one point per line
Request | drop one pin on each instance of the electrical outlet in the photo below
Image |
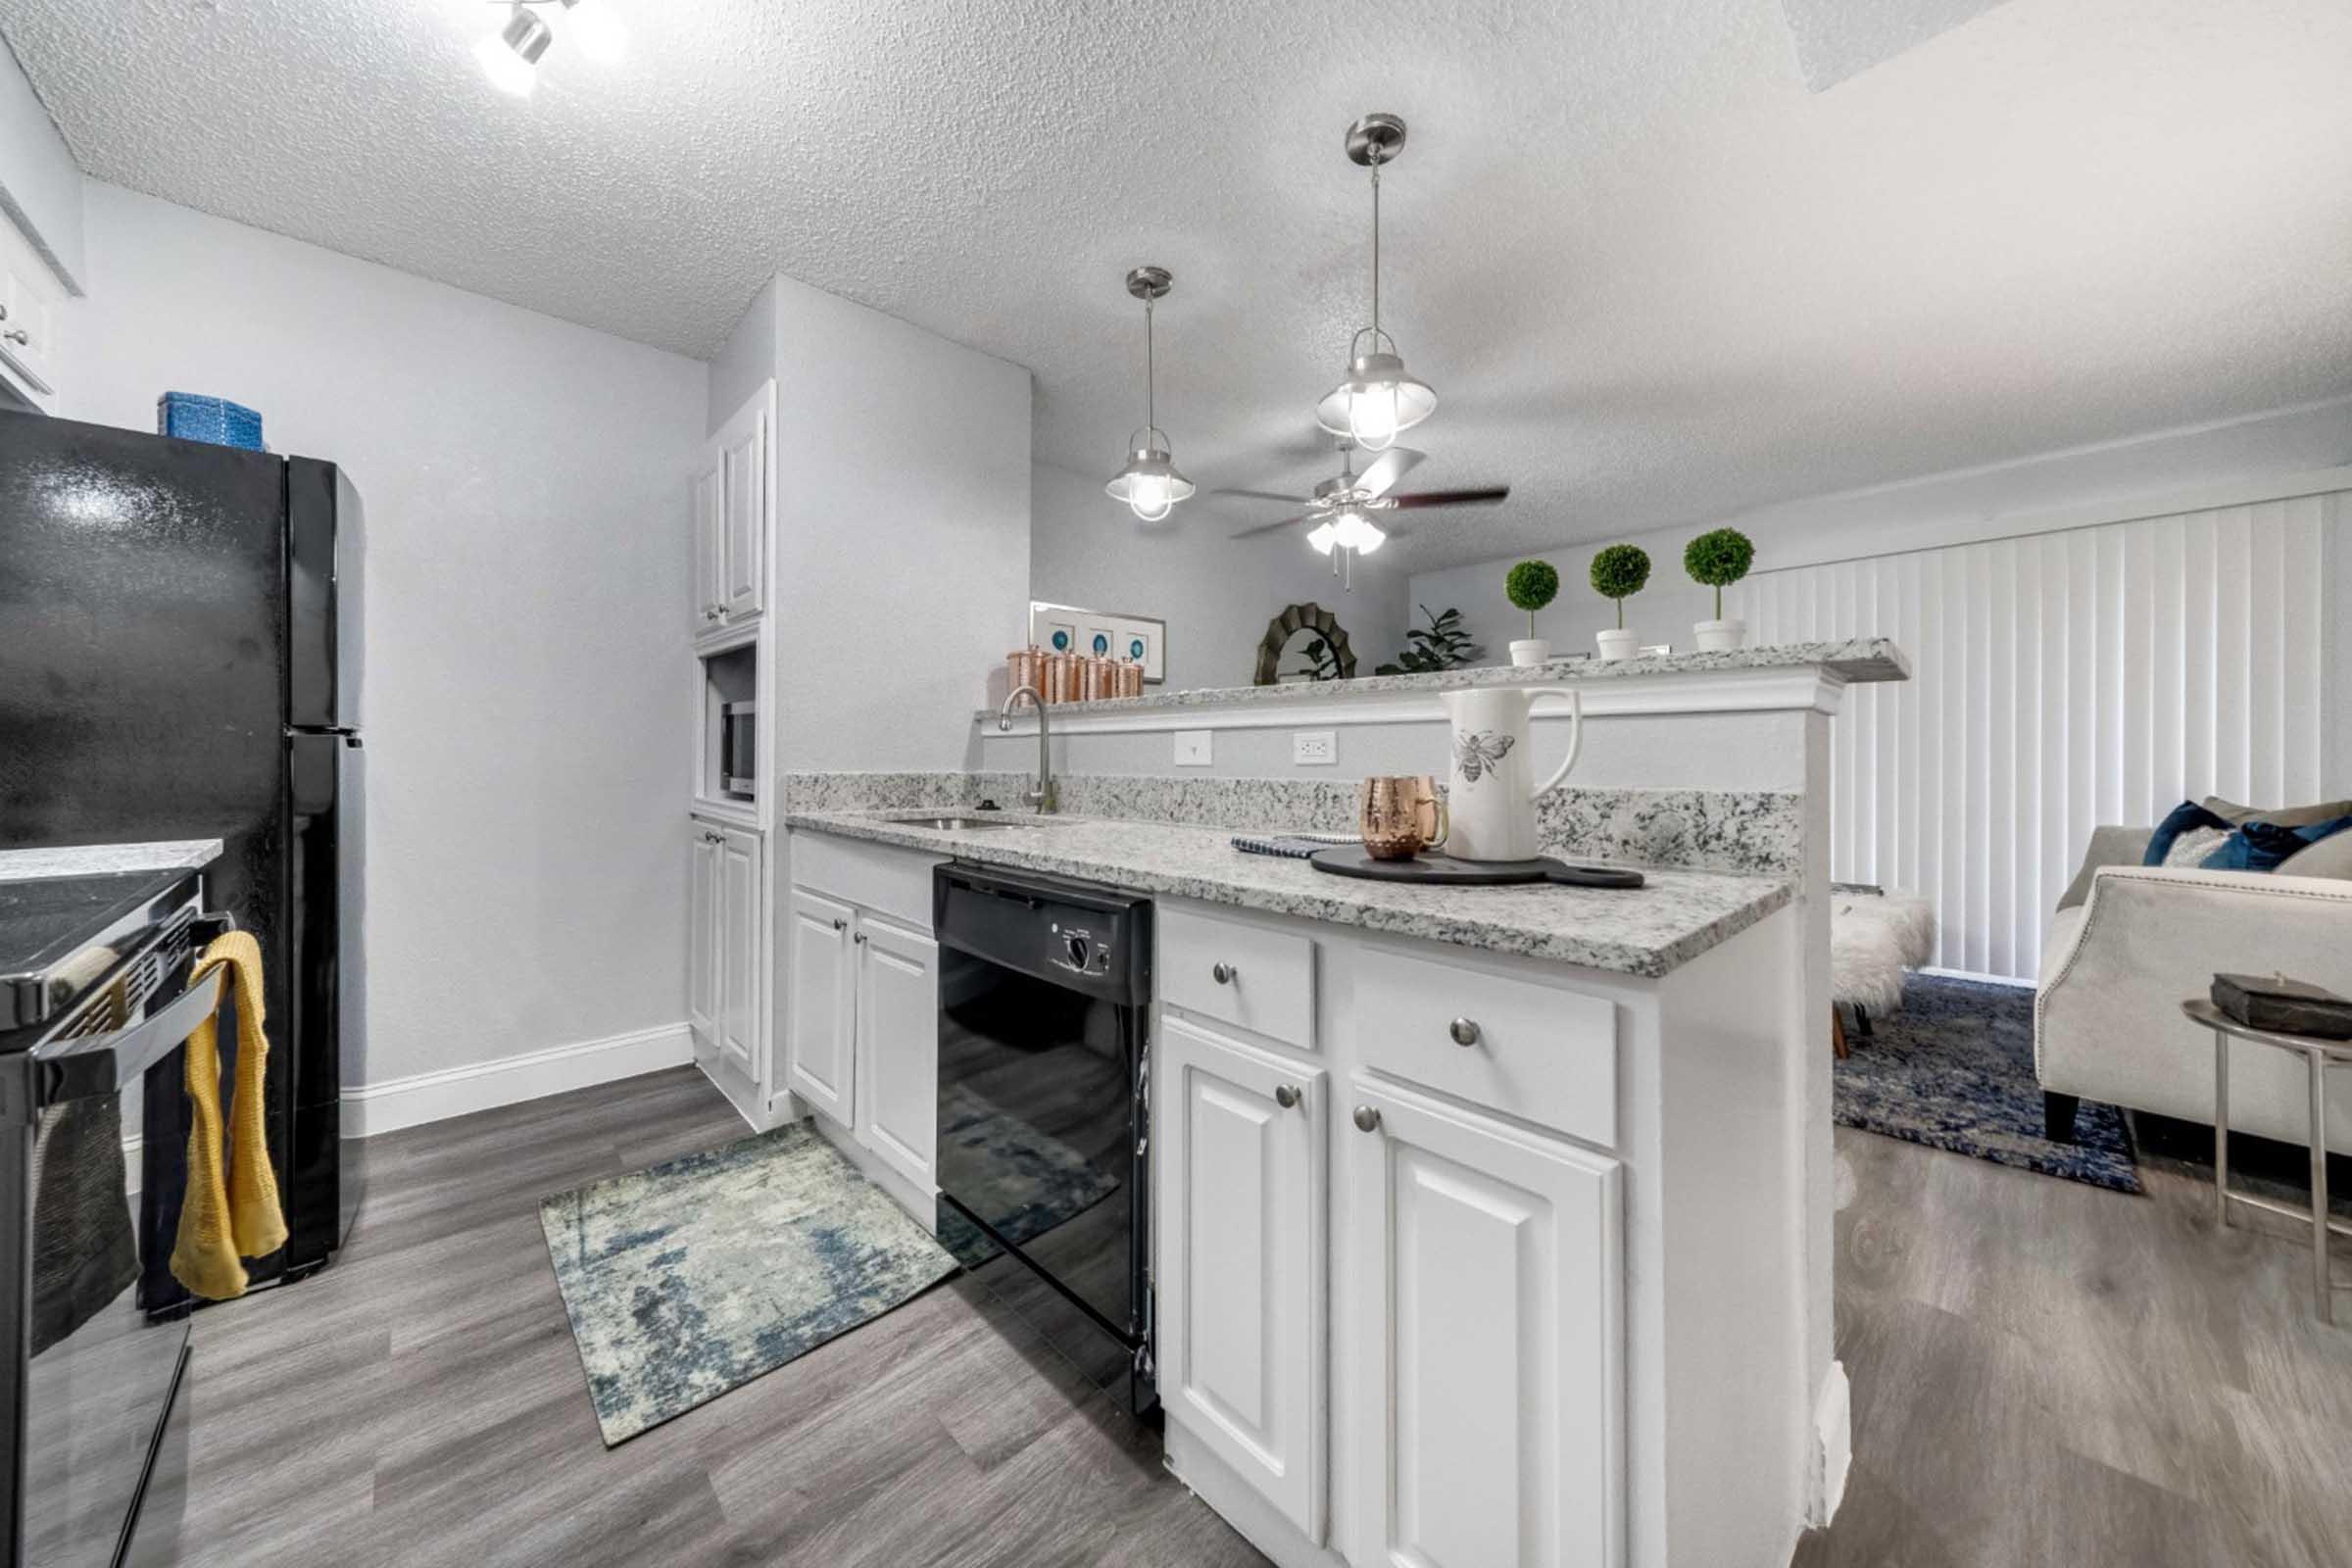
1314	748
1192	748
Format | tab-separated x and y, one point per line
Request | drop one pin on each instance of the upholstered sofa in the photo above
2129	941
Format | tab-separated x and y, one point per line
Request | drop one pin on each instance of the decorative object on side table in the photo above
1309	617
1441	645
1401	815
1530	586
1717	559
2282	1007
1619	573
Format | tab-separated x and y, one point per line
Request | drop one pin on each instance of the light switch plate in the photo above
1192	748
1314	748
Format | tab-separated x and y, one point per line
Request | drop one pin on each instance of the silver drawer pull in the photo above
1287	1096
1224	974
1367	1119
1464	1031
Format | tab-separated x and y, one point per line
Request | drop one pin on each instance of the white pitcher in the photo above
1488	795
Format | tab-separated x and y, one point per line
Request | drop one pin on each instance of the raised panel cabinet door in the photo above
710	542
743	449
1492	1265
897	1048
739	989
702	935
1240	1262
820	1060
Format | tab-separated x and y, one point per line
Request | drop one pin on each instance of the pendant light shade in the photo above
1378	397
509	57
1149	485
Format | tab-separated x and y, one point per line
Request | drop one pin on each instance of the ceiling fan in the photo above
1343	505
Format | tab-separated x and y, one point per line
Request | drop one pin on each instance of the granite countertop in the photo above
100	859
1856	661
1646	931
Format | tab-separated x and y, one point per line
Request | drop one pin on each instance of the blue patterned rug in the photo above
1021	1181
697	1276
1954	1071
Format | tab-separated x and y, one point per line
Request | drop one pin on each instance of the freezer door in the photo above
325	550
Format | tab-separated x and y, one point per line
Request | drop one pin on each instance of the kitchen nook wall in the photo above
524	482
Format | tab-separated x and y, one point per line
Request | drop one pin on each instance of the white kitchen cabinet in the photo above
822	1064
897	1030
31	311
732	500
702	934
1490	1372
739	950
710	542
1240	1283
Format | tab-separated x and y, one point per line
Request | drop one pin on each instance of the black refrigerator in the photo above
180	659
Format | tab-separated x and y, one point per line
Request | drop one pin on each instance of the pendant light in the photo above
509	57
1148	484
1378	399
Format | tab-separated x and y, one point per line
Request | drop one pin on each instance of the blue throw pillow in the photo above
2185	816
2262	845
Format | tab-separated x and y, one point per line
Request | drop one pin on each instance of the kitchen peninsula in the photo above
1488	1225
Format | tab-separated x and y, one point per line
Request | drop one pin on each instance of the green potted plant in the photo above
1717	559
1618	572
1443	644
1531	585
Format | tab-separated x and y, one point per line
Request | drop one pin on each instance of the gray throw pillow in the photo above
2330	857
2283	816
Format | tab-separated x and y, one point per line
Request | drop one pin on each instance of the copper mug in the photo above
1402	814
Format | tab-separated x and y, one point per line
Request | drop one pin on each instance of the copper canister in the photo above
1131	678
1102	679
1061	675
1021	668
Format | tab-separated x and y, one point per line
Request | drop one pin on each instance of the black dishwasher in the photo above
1043	1107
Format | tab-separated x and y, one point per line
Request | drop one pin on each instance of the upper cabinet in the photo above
733	505
31	311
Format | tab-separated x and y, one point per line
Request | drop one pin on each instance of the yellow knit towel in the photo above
231	1209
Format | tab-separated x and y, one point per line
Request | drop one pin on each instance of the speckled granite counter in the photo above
1856	659
1648	931
102	860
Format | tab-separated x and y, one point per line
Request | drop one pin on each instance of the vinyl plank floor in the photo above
422	1402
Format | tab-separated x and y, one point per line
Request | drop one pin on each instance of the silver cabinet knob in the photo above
1224	974
859	938
19	337
841	925
1367	1119
1287	1096
1464	1031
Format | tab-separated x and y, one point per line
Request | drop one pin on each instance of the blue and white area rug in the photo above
1019	1179
697	1276
1954	1071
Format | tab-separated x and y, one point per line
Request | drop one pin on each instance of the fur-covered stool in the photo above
1873	937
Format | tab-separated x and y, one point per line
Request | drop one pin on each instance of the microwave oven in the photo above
739	748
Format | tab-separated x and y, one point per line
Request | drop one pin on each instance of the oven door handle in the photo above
106	1065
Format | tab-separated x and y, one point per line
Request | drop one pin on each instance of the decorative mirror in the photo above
1315	641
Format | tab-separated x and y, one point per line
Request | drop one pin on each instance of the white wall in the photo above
1216	593
525	490
2055	490
901	525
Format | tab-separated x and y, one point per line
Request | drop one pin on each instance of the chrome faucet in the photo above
1041	798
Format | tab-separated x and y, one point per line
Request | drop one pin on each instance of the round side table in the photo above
2318	1056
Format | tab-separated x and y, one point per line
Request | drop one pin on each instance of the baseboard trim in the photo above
430	1096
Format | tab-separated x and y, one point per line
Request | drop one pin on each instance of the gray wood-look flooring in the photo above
2043	1373
421	1403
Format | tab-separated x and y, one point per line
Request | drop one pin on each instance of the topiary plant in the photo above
1618	572
1719	559
1531	585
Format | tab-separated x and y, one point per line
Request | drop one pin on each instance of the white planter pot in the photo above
1619	643
1529	650
1716	635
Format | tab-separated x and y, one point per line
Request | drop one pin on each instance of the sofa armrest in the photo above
2109	845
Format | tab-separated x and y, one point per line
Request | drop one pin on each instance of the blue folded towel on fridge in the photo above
193	417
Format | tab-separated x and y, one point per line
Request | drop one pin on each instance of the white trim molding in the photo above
427	1097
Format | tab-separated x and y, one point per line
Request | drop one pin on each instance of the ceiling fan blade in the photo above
1386	470
1269	527
1260	495
1451	498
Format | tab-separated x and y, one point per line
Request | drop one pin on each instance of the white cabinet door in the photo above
1240	1262
739	946
1492	1373
702	935
821	984
710	542
897	1048
743	461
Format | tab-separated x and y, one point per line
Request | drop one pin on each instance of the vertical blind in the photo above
2063	680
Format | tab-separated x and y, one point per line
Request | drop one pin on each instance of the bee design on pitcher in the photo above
1480	752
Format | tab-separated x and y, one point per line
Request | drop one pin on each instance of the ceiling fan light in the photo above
597	28
509	57
1323	537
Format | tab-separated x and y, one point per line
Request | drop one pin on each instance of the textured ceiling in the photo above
1654	277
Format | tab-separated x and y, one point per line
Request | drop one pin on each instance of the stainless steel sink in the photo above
966	824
